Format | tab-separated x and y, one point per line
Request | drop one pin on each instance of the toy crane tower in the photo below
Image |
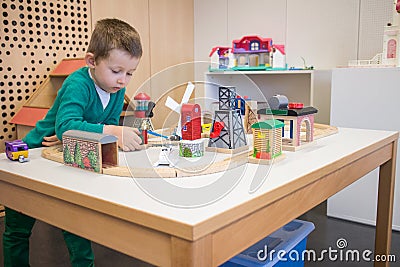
227	129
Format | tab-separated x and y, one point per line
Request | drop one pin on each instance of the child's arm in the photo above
128	137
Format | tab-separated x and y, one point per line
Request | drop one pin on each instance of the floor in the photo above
48	248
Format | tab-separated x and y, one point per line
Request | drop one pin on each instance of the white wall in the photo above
327	34
374	14
324	33
357	89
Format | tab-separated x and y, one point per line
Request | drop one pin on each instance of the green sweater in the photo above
77	107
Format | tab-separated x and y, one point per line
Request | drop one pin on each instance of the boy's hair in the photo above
113	33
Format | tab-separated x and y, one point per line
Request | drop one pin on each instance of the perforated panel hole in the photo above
34	37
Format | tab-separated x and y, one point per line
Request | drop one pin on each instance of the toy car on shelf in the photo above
17	150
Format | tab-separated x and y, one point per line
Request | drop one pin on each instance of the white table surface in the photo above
126	191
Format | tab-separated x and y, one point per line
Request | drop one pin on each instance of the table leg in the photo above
192	253
383	235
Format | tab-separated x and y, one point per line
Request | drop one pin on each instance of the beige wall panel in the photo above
34	38
136	13
171	33
171	43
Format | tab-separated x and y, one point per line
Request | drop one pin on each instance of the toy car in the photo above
17	150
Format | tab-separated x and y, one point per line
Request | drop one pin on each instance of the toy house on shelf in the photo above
221	57
267	142
249	53
89	151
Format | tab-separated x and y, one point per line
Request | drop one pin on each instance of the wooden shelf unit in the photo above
297	85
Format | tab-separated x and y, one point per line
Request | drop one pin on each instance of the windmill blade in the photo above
188	93
172	105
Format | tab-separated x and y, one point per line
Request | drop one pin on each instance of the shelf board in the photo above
269	72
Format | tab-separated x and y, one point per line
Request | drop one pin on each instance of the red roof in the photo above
281	48
29	116
220	49
244	43
141	96
67	66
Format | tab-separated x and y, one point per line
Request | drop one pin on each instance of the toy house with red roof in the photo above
251	52
278	57
220	57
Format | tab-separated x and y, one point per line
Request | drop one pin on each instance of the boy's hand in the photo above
51	140
128	137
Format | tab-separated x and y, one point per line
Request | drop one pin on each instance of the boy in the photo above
90	99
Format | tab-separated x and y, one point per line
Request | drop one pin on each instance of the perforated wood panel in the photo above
374	15
34	37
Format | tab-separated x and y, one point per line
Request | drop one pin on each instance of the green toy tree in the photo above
187	153
93	161
78	156
67	155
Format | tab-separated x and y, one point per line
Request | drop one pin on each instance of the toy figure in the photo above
163	157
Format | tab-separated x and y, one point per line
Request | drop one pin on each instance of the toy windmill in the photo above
173	105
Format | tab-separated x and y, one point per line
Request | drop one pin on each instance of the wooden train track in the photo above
215	164
219	164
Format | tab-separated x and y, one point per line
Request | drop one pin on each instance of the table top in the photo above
192	206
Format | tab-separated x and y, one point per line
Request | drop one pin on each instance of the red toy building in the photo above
191	121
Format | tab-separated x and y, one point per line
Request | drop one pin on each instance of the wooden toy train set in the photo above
194	152
191	148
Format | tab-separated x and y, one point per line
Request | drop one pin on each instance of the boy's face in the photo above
113	73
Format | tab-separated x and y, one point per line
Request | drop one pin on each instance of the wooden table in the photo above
118	213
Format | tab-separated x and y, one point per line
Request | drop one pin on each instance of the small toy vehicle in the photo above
17	150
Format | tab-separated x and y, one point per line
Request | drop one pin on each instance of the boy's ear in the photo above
90	61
